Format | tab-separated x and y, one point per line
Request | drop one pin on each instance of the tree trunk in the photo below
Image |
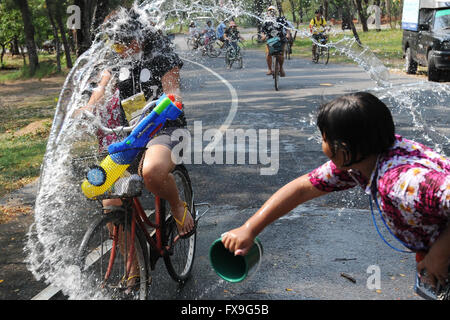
300	14
62	31
325	9
2	54
362	15
294	18
22	53
29	34
15	46
347	17
50	7
84	33
280	8
388	10
100	13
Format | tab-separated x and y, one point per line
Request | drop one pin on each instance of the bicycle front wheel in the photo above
180	257
104	258
228	60
276	71
324	55
256	39
212	51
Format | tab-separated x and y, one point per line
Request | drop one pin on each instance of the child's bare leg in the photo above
156	171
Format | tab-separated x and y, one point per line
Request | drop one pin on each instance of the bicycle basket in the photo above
275	46
128	184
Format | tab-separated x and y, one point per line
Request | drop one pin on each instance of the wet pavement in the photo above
327	249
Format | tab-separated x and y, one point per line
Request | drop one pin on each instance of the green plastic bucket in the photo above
230	267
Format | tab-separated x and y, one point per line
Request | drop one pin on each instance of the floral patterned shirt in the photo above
111	117
413	190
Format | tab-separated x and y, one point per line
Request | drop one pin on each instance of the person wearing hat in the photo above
275	26
232	34
194	33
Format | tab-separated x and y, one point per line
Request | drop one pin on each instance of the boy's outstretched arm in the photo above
296	192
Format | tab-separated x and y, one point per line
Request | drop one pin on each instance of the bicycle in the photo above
288	49
211	49
257	38
193	43
321	53
141	229
233	53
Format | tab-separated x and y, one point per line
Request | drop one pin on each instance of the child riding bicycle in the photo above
232	35
409	181
149	67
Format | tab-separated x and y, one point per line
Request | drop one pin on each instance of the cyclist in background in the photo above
209	33
291	39
232	35
275	26
194	34
221	32
317	27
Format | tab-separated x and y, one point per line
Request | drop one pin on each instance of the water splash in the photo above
62	213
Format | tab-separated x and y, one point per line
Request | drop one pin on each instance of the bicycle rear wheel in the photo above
180	258
287	51
212	51
104	256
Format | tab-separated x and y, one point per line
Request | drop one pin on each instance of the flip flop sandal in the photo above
181	223
130	289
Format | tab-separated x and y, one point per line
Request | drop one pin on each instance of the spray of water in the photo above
62	213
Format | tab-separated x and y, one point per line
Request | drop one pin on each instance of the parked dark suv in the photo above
430	45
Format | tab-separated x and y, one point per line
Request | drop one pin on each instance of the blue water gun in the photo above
121	154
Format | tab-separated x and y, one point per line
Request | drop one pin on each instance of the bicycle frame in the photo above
138	216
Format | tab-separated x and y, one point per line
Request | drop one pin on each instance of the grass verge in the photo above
21	151
13	68
385	44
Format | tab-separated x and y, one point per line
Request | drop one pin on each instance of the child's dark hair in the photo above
359	123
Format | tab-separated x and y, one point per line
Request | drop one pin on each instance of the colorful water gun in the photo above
101	178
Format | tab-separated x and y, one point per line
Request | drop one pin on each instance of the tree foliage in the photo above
30	23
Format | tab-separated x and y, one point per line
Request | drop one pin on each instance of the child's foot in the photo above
183	218
269	73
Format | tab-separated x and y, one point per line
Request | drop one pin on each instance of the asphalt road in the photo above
306	252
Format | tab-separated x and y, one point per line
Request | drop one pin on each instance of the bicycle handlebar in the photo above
89	115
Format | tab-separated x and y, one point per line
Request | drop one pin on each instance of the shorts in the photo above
163	138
